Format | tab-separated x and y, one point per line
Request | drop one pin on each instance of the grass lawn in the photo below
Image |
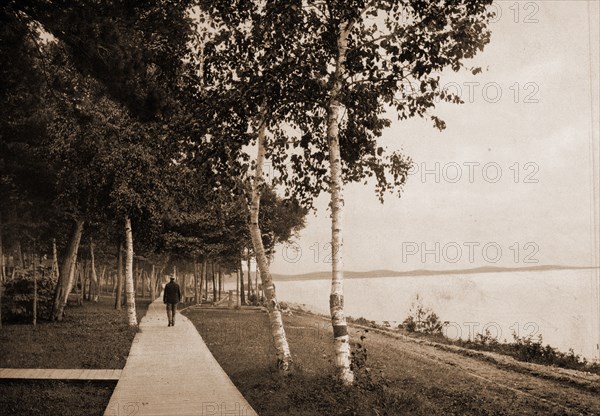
51	397
91	336
402	378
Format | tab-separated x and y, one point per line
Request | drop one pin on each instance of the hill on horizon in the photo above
422	272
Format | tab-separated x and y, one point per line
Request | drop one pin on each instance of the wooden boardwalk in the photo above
59	374
170	371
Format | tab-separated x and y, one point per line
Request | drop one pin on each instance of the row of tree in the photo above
142	117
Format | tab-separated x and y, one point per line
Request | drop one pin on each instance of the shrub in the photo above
362	321
533	351
17	296
530	350
422	319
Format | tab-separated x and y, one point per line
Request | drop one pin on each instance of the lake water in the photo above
562	305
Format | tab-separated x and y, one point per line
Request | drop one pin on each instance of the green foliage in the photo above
396	51
371	381
533	351
359	354
422	319
18	295
362	321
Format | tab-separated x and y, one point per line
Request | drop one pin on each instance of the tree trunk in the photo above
206	279
195	281
129	288
203	275
242	292
152	286
1	293
158	280
84	280
95	283
249	276
220	281
21	257
79	283
2	271
67	273
258	294
35	297
114	280
55	271
276	322
214	282
336	299
183	287
134	273
119	291
101	279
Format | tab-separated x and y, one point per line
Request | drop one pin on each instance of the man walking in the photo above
171	298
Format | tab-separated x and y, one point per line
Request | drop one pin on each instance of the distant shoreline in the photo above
424	272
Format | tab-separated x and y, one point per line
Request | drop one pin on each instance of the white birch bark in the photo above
336	298
129	289
275	319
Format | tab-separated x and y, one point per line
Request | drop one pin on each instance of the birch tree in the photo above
372	55
242	66
129	286
333	82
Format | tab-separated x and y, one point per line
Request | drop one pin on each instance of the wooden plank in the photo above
44	373
10	373
59	374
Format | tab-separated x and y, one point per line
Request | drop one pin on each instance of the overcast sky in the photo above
511	180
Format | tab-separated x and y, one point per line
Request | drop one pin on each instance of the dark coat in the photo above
172	293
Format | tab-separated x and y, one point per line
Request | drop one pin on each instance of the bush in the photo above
530	350
533	351
362	321
17	296
422	319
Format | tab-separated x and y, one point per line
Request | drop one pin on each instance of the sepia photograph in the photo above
299	207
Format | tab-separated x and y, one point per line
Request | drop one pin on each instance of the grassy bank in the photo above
526	349
398	377
90	336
